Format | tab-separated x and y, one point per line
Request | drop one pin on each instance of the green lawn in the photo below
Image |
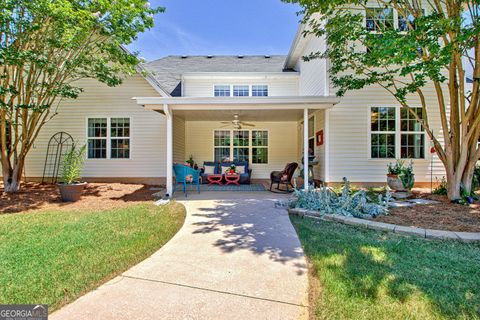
54	257
363	274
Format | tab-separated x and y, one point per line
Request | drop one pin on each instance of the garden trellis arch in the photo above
58	145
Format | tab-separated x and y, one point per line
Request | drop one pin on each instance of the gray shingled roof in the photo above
168	71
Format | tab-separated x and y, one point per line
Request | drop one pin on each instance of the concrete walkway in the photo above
236	257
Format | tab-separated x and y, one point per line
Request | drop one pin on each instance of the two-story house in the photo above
250	108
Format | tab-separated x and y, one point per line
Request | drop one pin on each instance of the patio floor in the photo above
236	257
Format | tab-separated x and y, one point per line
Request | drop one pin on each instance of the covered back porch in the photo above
265	132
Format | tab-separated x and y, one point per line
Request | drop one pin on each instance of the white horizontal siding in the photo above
349	151
98	100
282	144
313	74
179	155
281	86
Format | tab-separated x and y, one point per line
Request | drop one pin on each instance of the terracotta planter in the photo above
71	192
395	183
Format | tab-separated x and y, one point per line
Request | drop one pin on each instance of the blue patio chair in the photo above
183	175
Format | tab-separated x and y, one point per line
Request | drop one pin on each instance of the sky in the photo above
219	27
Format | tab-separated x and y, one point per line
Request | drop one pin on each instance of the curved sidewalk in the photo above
236	257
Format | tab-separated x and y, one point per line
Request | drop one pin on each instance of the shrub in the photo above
345	203
441	189
72	165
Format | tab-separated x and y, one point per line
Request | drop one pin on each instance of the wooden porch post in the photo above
169	115
305	148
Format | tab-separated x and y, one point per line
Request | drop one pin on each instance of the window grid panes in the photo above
412	139
120	138
412	146
383	126
222	91
241	142
260	91
241	91
405	22
222	145
103	134
241	145
97	138
378	19
383	119
259	146
383	145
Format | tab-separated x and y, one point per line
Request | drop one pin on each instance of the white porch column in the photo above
169	115
305	147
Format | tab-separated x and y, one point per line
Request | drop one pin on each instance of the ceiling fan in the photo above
236	123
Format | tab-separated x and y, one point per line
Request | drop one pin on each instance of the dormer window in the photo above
222	91
260	91
241	91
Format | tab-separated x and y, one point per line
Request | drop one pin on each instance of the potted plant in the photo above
190	161
400	177
72	165
231	170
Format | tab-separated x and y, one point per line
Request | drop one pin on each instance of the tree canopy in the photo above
45	47
404	47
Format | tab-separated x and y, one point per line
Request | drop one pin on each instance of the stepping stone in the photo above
401	195
401	204
423	201
159	195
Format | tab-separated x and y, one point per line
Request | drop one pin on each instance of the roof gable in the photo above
168	71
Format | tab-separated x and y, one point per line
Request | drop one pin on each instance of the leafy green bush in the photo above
404	172
441	189
345	203
72	165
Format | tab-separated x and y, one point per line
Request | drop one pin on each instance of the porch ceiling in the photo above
245	115
237	103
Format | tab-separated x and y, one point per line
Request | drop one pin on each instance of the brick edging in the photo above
374	225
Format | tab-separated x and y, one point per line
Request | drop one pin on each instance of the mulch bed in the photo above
442	216
101	196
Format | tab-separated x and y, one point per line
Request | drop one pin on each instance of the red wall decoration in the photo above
319	138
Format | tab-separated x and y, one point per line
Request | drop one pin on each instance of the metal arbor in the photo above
58	145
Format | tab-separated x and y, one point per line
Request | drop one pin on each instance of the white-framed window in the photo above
221	90
260	146
396	133
97	138
241	91
379	19
412	135
259	91
241	145
221	144
108	138
120	138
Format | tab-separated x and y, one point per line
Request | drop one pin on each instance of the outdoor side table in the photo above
232	178
215	179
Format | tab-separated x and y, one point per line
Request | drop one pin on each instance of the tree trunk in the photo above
468	177
12	178
453	184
